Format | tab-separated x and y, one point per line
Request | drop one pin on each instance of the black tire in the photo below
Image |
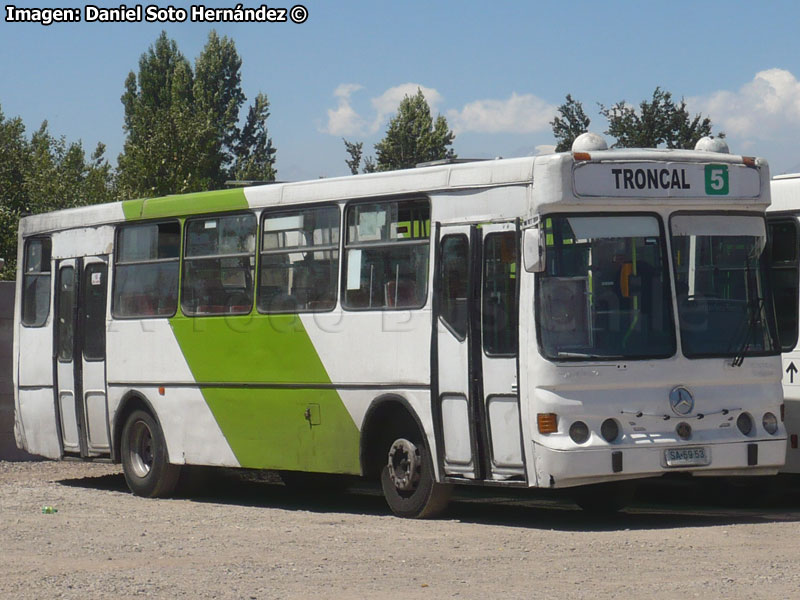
408	483
145	463
604	498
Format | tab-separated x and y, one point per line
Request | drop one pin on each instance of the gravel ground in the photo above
254	539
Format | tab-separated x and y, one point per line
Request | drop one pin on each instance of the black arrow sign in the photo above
791	370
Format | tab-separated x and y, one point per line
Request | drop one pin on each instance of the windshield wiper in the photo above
754	310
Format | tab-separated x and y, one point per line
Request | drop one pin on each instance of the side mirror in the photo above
533	250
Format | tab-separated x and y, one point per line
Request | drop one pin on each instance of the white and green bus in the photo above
783	219
555	321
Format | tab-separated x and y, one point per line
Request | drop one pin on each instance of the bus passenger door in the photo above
67	392
455	410
476	402
93	300
80	356
499	325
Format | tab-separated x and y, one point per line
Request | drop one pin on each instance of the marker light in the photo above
579	432
609	430
770	423
547	422
749	161
581	156
745	423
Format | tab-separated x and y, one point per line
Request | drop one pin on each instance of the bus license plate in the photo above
687	457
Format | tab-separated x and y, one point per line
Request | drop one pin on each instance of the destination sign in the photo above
666	180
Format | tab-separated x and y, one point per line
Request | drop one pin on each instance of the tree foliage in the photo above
41	174
572	123
413	136
255	154
181	124
354	151
658	121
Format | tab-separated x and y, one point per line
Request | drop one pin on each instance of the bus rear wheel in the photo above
145	463
408	481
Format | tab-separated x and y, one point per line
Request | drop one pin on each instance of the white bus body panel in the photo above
143	355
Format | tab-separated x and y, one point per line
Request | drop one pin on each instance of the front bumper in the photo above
567	468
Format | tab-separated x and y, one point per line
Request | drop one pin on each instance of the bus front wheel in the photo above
409	484
145	463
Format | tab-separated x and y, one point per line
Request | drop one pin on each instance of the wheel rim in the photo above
404	466
141	449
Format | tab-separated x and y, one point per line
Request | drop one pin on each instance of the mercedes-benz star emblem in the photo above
681	401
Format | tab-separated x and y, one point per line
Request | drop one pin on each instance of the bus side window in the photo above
36	282
500	311
146	270
454	282
784	274
386	255
299	263
218	265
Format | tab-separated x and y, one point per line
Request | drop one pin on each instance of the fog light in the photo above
684	430
609	430
745	423
579	432
770	423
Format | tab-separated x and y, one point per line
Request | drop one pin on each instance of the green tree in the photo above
658	121
14	200
158	157
414	137
181	124
354	151
255	154
42	174
572	123
57	174
218	95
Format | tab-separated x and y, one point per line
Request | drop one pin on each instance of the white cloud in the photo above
344	120
521	113
544	149
766	107
387	103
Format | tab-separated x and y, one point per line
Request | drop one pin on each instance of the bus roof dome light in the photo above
709	144
587	142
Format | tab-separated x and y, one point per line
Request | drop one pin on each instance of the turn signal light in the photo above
547	422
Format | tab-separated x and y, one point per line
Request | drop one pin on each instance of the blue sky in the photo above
496	70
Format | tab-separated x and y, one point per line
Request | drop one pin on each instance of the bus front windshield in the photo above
720	281
605	292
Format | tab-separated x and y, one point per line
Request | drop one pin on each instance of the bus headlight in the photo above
745	423
609	430
770	423
579	432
